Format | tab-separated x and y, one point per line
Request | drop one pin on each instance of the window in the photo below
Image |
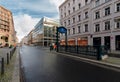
61	10
97	2
118	7
73	19
68	4
86	1
65	14
97	15
64	7
61	24
73	30
68	31
69	22
79	5
73	1
118	24
107	25
78	29
97	27
65	23
61	16
86	27
79	17
73	9
107	11
69	12
86	15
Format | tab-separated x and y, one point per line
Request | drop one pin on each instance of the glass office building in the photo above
44	33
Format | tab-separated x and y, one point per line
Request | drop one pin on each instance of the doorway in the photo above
107	42
117	42
97	41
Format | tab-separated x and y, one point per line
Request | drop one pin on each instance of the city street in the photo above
40	65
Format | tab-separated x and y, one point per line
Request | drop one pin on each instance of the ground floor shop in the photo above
76	41
111	41
117	41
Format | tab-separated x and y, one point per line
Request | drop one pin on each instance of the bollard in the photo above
77	49
7	58
2	66
10	54
99	54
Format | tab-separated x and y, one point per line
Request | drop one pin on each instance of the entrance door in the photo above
97	41
118	42
107	42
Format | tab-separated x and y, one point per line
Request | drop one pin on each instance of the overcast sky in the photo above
26	13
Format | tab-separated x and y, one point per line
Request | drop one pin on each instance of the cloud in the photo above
27	13
57	3
35	8
24	23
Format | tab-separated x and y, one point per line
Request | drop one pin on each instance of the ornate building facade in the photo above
7	31
91	22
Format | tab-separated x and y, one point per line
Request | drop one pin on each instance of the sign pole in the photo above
61	30
57	40
66	41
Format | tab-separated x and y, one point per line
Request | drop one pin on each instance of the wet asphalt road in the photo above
41	66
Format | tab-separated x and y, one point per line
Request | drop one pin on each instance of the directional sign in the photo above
62	29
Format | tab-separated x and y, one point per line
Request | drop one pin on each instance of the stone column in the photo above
76	43
89	40
112	44
102	40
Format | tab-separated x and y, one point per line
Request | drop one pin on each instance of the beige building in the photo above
24	40
92	22
7	31
30	37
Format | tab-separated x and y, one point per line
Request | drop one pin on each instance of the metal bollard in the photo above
10	55
99	54
7	58
2	66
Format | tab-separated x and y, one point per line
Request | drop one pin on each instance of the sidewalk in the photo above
12	69
110	62
114	53
16	72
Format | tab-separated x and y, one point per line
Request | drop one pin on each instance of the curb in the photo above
16	73
94	62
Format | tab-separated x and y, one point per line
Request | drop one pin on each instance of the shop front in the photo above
107	42
82	41
97	41
71	42
117	42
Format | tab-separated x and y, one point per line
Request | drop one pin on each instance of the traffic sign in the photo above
62	29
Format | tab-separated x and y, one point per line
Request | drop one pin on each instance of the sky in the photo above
27	13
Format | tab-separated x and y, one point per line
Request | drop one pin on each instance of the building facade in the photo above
24	40
92	22
44	32
30	37
7	31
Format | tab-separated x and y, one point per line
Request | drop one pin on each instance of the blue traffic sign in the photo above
62	29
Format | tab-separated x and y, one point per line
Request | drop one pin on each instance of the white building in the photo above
44	32
92	22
